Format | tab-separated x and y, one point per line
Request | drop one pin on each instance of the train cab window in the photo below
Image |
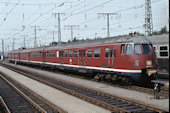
129	49
106	52
123	49
70	53
151	48
89	52
75	53
163	51
145	48
65	53
97	52
138	49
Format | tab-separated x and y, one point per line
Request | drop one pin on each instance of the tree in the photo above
163	30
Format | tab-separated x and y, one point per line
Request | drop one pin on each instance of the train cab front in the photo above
145	59
149	63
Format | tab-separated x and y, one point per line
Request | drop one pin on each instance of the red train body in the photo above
122	56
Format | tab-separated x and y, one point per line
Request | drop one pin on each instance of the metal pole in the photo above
59	29
8	48
24	42
108	22
108	29
71	33
35	39
13	44
2	47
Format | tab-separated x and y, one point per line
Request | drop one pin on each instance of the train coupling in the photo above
151	72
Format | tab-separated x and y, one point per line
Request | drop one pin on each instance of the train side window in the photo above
53	53
163	48
111	52
65	53
129	49
106	52
97	52
145	48
163	51
138	49
114	52
75	53
61	54
89	52
70	53
123	49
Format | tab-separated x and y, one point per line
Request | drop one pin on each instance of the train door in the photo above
61	55
112	56
82	57
28	56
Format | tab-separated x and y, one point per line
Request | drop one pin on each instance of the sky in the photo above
18	18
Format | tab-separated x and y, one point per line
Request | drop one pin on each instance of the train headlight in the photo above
148	62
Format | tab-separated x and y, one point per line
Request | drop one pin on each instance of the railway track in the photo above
3	106
16	100
107	101
164	92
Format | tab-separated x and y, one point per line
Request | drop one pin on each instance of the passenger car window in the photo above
123	49
75	53
129	49
70	53
163	48
163	51
65	53
138	49
145	48
89	53
97	52
106	52
61	54
53	53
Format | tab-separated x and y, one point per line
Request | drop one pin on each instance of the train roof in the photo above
95	42
159	39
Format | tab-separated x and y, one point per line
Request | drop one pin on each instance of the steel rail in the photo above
2	103
86	97
23	95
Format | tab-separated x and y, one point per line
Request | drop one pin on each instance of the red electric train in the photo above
121	57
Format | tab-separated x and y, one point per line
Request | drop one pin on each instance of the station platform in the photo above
62	100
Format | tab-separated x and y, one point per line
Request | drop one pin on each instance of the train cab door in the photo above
82	57
61	57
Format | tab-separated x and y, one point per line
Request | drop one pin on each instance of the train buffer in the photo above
157	87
